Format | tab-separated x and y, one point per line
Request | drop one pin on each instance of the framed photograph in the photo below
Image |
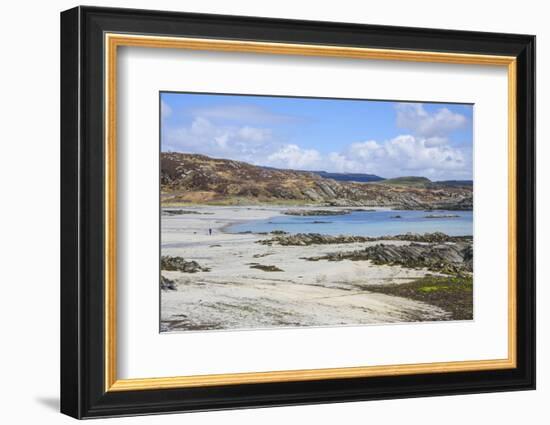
261	212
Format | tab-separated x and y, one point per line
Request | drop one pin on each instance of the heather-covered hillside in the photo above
198	179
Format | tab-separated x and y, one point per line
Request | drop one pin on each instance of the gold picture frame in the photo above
114	41
91	40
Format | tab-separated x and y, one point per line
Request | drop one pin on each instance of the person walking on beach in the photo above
210	231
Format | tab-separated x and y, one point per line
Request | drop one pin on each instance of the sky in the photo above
386	138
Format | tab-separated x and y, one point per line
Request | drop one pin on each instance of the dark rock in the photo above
469	257
167	284
306	213
181	212
179	264
446	258
303	239
266	268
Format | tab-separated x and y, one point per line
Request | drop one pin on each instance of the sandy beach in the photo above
236	294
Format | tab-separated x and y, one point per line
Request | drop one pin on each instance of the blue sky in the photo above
377	137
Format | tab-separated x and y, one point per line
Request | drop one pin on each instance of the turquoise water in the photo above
365	223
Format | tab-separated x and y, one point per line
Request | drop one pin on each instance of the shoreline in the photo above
279	210
251	285
175	205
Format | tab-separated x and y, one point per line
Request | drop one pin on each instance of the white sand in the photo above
234	296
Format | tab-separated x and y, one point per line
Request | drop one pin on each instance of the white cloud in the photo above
254	134
165	109
431	157
201	127
425	152
436	141
413	117
202	136
340	163
402	155
292	156
241	113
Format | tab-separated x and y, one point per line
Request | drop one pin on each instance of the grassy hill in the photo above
455	183
350	177
198	179
409	181
413	181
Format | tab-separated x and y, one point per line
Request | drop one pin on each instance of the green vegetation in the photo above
236	201
170	263
450	259
190	179
453	294
409	181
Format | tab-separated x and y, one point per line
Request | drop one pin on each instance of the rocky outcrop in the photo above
469	257
167	284
441	216
169	263
462	204
306	213
265	268
304	239
435	237
445	258
170	212
310	212
196	178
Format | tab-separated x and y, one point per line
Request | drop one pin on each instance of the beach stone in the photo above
170	263
451	258
303	239
167	284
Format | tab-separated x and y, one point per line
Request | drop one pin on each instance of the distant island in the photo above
414	181
349	177
199	179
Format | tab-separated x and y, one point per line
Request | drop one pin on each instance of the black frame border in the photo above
82	205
